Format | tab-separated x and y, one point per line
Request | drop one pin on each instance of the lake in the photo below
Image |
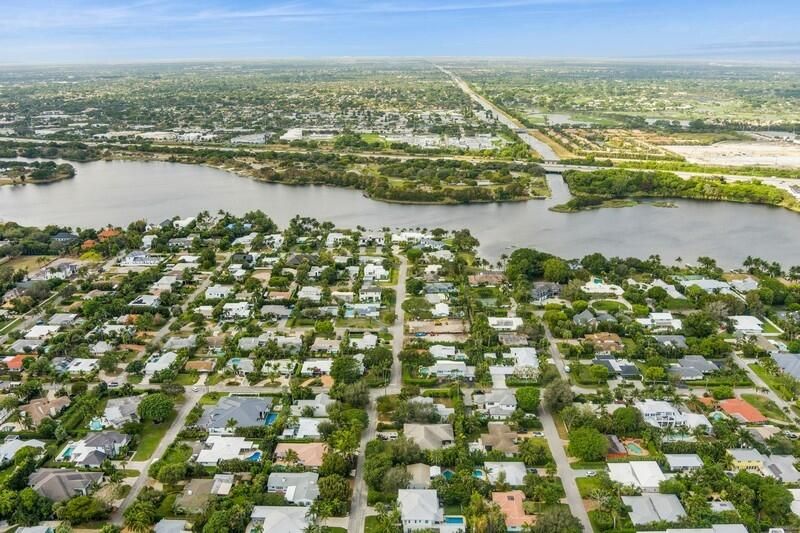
118	192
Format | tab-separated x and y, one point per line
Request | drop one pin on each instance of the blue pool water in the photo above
271	418
448	474
67	453
453	519
255	457
96	425
477	474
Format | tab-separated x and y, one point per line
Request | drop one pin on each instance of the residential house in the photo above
683	462
236	310
319	405
59	484
222	448
370	294
299	488
605	343
42	408
747	325
92	450
643	475
316	367
419	509
430	436
505	323
375	272
246	411
138	258
618	367
500	437
218	292
309	454
650	508
511	505
303	428
742	411
279	518
159	362
544	290
120	411
661	322
487	278
146	300
446	369
499	404
310	293
12	444
512	471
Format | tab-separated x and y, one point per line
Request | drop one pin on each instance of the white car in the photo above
591	473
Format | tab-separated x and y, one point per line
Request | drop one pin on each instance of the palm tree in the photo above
231	424
291	457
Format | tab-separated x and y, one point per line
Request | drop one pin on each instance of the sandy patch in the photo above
735	153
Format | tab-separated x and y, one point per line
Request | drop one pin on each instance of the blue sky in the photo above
87	31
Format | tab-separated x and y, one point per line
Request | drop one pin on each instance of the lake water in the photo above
117	192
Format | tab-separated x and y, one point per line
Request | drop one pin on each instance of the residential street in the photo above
358	503
563	468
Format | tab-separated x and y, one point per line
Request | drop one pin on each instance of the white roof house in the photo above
304	428
236	310
502	323
158	362
283	518
311	293
218	292
220	448
373	272
660	414
683	461
419	509
13	444
365	342
441	310
746	324
316	367
644	475
79	364
514	472
660	321
441	351
41	331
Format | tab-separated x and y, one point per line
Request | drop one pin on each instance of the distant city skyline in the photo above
103	31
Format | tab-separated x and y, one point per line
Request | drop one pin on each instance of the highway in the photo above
504	118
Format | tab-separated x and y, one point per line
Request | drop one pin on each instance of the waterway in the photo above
117	192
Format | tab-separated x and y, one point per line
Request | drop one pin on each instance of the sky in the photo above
114	31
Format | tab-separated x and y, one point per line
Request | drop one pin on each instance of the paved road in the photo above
780	402
143	466
563	468
504	118
358	503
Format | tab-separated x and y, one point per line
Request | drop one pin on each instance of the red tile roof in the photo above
741	410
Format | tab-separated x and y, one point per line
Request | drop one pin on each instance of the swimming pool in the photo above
453	519
67	453
478	474
255	457
271	418
448	474
634	448
96	424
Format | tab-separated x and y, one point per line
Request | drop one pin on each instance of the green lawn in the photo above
586	485
769	379
766	406
151	436
210	398
187	379
609	306
371	524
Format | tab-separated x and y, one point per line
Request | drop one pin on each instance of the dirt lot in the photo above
773	154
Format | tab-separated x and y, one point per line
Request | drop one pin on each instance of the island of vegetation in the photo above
607	187
16	172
